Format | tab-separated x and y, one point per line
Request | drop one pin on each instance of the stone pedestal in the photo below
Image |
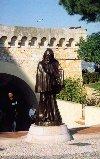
48	134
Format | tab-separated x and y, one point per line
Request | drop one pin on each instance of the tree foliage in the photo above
89	50
88	9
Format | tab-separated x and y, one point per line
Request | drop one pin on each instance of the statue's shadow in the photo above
80	144
2	149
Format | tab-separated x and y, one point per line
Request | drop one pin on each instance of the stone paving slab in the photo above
82	147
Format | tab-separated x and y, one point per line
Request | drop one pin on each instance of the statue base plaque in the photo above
48	134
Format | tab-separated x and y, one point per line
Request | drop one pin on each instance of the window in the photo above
33	41
52	41
43	40
3	40
13	40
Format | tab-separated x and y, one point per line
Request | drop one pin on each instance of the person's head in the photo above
48	55
10	95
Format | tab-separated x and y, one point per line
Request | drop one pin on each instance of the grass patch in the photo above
96	85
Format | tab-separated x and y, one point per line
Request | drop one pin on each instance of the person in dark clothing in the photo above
11	112
17	115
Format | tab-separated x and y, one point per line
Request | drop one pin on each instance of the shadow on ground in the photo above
1	149
80	144
86	130
78	130
13	134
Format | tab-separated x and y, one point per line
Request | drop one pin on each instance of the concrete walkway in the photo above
84	146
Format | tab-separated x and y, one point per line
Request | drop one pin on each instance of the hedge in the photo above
72	91
90	77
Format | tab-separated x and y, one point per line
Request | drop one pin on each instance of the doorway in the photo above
24	99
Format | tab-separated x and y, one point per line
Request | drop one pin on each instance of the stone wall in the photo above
92	115
70	113
24	47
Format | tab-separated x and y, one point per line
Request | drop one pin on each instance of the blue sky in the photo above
29	12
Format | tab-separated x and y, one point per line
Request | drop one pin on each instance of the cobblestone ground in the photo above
84	146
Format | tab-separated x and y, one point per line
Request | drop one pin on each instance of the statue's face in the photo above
47	57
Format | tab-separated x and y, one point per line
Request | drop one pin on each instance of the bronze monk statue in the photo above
49	82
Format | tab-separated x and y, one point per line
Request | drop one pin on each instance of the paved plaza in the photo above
84	146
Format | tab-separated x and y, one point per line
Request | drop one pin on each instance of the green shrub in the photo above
90	77
72	91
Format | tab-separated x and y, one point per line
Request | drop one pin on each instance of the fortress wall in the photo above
24	47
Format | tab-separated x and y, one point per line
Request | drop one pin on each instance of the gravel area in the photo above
84	146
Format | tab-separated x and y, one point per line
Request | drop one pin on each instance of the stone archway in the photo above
23	93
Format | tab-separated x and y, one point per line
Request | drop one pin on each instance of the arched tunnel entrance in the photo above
15	113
